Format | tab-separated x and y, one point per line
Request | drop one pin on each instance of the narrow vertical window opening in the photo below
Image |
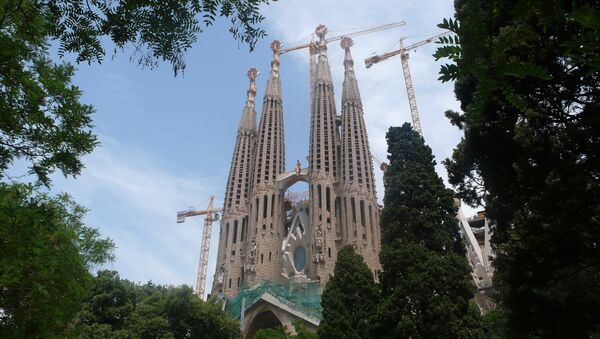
265	201
226	234
235	231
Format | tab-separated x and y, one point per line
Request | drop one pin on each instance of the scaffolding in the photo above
304	297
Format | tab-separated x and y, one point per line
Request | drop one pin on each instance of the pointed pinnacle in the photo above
251	92
346	43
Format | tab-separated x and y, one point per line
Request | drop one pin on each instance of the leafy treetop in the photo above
526	74
45	258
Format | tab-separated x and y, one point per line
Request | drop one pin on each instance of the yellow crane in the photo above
403	52
211	214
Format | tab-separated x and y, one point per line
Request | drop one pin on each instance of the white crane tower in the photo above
403	52
211	214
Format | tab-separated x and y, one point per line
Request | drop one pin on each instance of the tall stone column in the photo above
229	272
323	166
263	259
359	200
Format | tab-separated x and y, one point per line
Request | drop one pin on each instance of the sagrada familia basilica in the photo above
275	254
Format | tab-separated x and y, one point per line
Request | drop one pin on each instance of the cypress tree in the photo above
426	284
349	298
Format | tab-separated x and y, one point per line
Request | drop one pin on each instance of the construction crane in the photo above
383	166
312	47
211	214
403	52
349	35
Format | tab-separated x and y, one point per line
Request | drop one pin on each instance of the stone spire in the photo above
323	71
350	87
274	82
323	165
248	120
234	224
266	232
358	185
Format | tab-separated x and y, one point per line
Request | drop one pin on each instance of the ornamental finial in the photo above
322	43
276	48
346	43
251	92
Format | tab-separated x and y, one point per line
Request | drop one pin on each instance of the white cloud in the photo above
136	201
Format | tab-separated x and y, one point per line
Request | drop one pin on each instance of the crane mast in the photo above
403	52
211	214
410	91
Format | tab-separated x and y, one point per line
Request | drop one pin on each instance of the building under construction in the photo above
276	254
276	250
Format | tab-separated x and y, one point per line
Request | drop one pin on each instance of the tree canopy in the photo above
281	332
426	285
155	30
46	253
349	299
527	75
42	121
118	308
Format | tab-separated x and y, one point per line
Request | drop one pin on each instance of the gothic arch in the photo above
266	319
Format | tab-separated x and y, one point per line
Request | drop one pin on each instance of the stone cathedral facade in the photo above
264	235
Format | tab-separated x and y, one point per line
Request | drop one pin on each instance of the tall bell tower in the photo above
359	201
263	257
234	224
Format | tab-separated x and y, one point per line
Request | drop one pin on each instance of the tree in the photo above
280	332
426	285
46	253
349	298
118	308
302	332
527	74
155	30
42	120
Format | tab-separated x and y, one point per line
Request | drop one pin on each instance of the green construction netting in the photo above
301	296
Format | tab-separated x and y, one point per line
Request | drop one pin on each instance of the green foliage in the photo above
118	308
45	254
42	120
349	298
426	285
278	332
302	332
527	78
494	324
155	30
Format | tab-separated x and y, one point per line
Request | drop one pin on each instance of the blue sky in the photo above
167	142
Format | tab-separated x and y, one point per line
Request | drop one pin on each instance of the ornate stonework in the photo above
277	238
